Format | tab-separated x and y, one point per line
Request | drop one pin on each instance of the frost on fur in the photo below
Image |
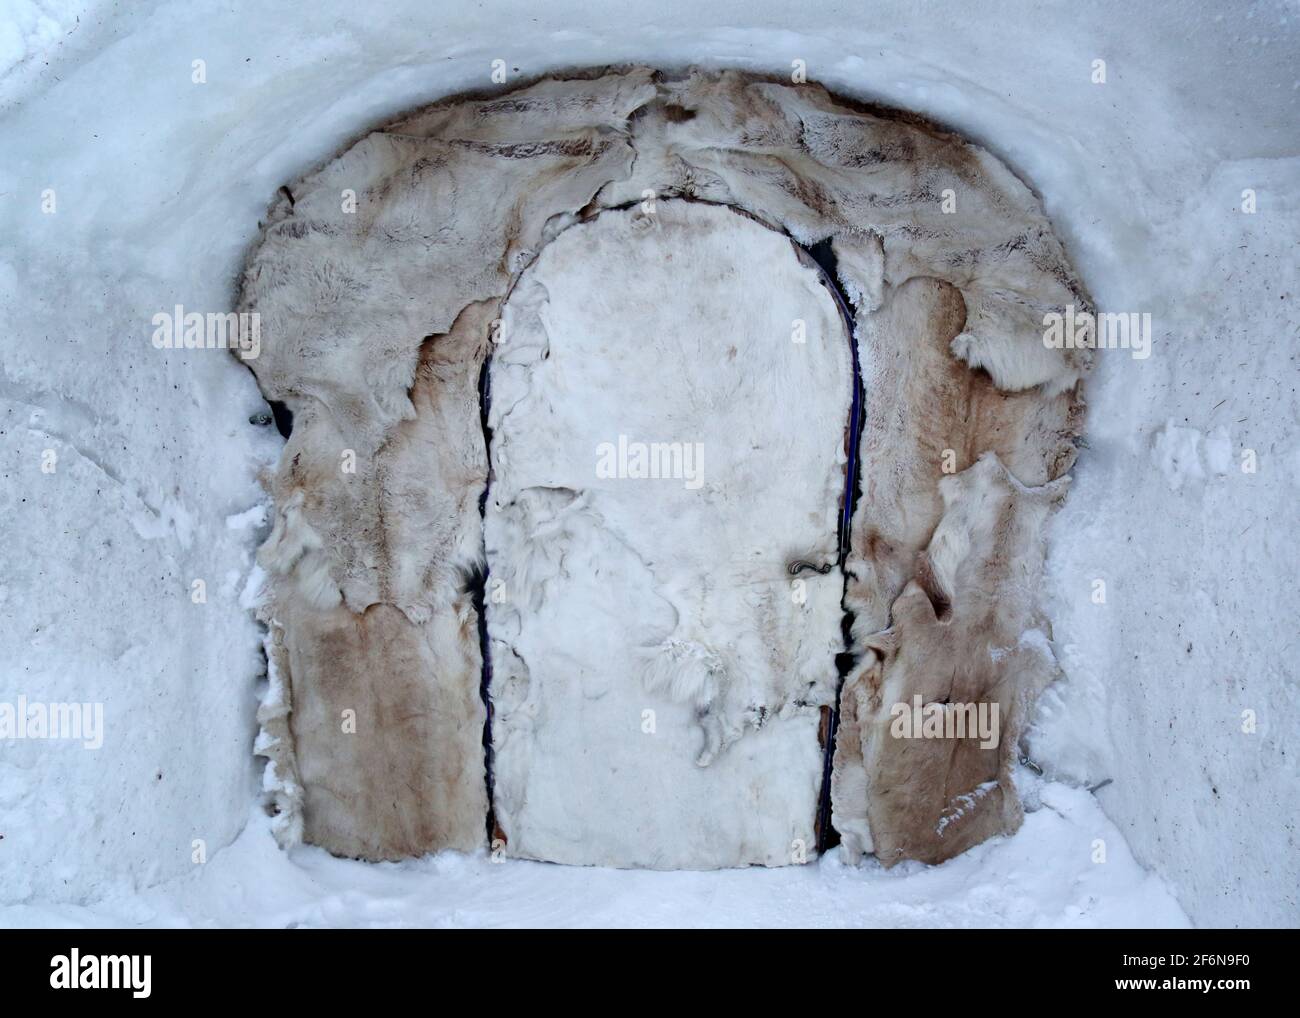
281	791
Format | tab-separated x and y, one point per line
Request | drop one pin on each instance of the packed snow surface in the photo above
1044	876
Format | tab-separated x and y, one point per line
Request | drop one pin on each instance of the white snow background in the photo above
159	184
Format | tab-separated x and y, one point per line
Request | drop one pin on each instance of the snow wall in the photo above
1170	580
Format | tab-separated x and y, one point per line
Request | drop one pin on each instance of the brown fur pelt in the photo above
376	315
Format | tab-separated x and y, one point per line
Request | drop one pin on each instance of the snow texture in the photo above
160	185
1043	878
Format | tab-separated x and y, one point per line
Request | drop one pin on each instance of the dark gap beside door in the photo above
824	255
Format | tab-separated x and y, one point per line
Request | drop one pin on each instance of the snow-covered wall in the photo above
159	181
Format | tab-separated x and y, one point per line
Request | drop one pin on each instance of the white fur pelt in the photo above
648	627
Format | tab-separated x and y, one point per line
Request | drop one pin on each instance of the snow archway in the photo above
377	313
